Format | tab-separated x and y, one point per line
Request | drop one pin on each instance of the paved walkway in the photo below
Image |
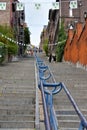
19	77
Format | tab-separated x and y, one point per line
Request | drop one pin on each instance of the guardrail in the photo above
49	87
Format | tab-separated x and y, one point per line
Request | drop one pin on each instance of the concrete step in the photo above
20	91
67	117
17	124
69	124
16	129
17	94
63	128
13	101
17	117
14	112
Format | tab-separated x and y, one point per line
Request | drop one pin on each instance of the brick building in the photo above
70	16
43	36
77	14
5	14
15	18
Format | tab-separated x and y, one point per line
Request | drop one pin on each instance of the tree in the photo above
26	36
61	43
8	33
3	52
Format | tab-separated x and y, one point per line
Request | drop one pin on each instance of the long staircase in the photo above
75	79
17	95
76	82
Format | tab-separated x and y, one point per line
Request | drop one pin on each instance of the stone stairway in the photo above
17	95
75	80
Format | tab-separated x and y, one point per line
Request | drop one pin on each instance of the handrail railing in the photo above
46	121
47	96
83	123
46	117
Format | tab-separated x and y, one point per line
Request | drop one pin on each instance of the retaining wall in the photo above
76	45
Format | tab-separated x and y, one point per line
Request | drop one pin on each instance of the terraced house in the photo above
70	14
10	15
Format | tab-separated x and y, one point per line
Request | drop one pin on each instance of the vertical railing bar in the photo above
47	125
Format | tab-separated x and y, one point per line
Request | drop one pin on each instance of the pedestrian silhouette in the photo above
50	57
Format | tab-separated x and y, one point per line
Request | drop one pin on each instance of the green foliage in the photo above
3	52
45	46
26	36
8	32
12	48
61	43
60	51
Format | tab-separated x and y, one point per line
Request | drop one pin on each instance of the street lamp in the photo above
71	26
85	15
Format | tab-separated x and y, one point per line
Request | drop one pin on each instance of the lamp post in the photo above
71	26
85	15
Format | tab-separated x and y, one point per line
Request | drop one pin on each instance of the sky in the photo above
36	18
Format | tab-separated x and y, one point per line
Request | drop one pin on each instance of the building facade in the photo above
43	37
5	14
10	16
70	17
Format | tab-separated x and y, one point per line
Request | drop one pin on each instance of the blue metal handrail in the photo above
47	122
83	123
49	113
47	96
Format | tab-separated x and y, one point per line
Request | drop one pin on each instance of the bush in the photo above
3	52
61	43
12	48
8	32
60	51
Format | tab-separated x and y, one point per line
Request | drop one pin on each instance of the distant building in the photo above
43	36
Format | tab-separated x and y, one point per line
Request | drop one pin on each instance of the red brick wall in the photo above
5	14
76	45
67	47
74	49
82	45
